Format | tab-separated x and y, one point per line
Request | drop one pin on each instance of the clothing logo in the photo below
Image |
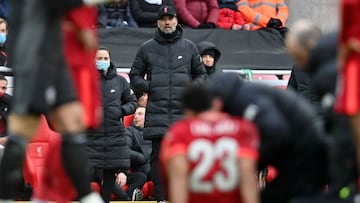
165	9
179	57
112	91
39	150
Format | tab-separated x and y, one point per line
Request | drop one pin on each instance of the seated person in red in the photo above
230	17
198	13
264	13
140	151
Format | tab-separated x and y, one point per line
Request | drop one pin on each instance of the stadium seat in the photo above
286	77
128	120
43	168
125	75
36	155
264	77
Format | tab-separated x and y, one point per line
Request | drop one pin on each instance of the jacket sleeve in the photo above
137	73
292	81
137	158
198	72
185	15
250	15
213	8
349	20
238	18
141	16
129	102
226	18
282	12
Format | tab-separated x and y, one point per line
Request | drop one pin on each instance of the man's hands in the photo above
206	26
121	179
274	23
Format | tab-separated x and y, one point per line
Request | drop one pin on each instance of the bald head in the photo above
303	36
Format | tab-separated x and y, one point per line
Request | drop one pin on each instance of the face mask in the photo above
102	65
2	38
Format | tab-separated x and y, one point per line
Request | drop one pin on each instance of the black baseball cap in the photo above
166	10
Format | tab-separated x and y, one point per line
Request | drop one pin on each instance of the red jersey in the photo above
212	149
348	89
82	62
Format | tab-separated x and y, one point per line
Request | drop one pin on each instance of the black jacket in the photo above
5	106
287	126
146	14
107	146
140	150
170	63
300	82
205	46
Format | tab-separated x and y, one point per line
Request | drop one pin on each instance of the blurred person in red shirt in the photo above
80	42
348	91
43	86
210	156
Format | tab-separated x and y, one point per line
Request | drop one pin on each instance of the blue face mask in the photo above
2	38
102	65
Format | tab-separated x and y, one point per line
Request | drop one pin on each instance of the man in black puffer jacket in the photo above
107	146
170	62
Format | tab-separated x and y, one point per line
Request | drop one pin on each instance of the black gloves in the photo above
206	26
274	23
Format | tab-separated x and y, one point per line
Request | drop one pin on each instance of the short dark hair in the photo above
2	77
197	98
105	49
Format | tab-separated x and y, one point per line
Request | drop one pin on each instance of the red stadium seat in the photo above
36	155
128	120
125	75
264	77
286	77
43	167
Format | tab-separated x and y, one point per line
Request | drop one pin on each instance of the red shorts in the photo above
348	87
87	83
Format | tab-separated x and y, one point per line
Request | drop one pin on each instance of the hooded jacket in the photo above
171	62
107	146
205	46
